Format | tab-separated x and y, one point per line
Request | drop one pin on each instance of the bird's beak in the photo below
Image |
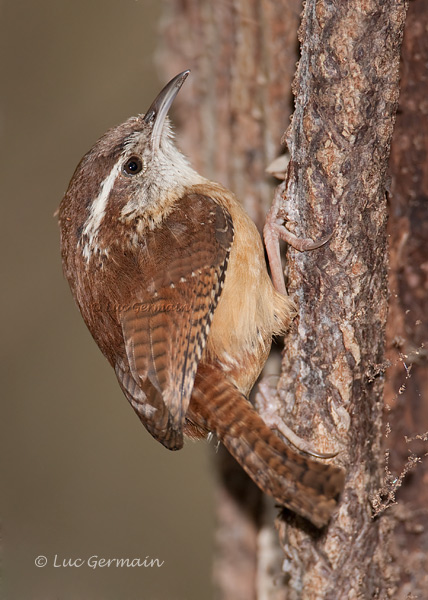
161	105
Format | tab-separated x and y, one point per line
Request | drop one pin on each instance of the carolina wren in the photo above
170	277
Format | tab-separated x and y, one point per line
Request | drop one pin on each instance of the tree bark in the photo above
333	371
242	54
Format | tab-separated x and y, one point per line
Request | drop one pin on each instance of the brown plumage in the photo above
170	277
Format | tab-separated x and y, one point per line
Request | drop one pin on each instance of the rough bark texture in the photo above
242	55
406	390
346	97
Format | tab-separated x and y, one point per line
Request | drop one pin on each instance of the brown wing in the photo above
183	263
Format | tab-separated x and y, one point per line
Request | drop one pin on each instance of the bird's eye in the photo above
133	165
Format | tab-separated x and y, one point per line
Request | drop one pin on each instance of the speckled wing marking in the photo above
165	330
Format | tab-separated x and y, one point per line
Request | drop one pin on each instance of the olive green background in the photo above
81	476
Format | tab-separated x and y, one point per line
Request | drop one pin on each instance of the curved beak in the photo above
161	105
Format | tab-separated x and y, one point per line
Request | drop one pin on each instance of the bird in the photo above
170	276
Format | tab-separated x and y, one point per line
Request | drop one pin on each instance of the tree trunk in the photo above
242	55
333	370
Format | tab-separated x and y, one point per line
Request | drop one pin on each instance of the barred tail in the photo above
307	487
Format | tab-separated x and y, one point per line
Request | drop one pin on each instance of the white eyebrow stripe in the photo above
98	209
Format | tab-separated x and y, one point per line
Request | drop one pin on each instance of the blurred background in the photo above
81	475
